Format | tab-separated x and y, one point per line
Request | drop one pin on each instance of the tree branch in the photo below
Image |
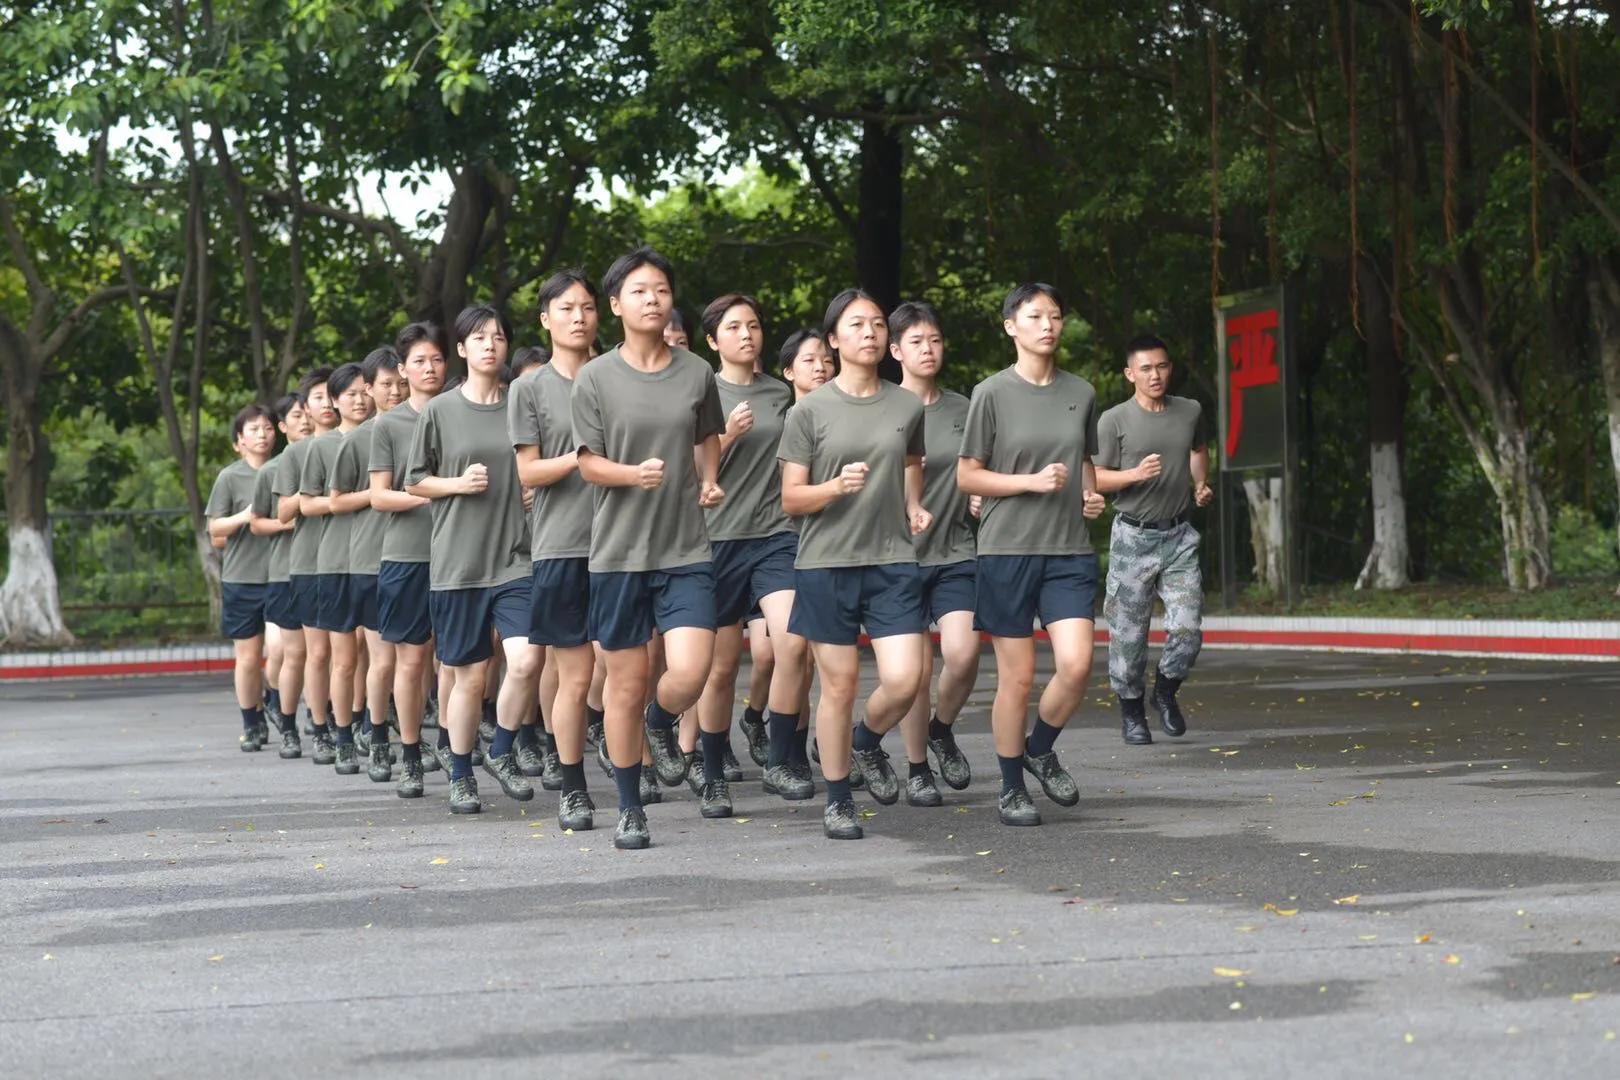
379	226
812	165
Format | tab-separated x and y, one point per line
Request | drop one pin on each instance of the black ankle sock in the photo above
838	791
937	730
528	735
444	738
1012	772
502	743
628	781
800	754
866	738
488	712
460	765
251	718
345	736
410	753
274	699
573	776
714	753
593	717
660	718
918	768
359	718
753	715
379	735
781	732
1041	739
550	740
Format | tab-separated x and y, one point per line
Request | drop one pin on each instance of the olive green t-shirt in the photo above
628	416
830	429
1014	426
479	541
1127	433
950	538
353	473
405	535
304	548
541	415
750	475
264	505
332	549
247	557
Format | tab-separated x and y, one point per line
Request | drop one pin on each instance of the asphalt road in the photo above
1351	866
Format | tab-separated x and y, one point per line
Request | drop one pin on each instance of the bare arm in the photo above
602	472
386	499
221	527
1112	480
914	484
1198	465
265	526
974	479
538	472
800	497
348	502
314	506
286	508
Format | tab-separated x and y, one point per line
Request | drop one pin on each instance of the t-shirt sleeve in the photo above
798	443
915	445
346	469
1200	431
585	409
711	419
382	452
313	479
423	461
1108	441
523	415
286	478
264	499
219	499
1091	427
979	431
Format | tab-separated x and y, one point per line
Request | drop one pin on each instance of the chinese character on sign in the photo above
1251	344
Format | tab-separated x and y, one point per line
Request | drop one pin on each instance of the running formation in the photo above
561	551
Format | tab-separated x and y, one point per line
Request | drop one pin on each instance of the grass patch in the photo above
1584	598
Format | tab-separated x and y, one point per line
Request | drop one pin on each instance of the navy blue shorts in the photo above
241	614
279	606
830	606
363	602
462	619
1015	589
306	598
402	603
560	603
332	607
948	588
745	570
627	605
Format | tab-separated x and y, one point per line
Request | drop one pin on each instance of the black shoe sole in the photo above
937	801
632	843
1020	824
382	779
585	826
715	813
771	789
292	754
409	794
858	834
1146	740
474	809
346	770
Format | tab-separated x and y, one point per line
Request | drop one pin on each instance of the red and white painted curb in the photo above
1484	638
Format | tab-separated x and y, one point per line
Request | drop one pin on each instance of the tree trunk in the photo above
30	603
1266	530
1389	558
878	236
1604	289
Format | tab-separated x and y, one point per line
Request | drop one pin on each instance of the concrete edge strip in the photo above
1485	638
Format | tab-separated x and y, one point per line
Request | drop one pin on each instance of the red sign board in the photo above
1250	333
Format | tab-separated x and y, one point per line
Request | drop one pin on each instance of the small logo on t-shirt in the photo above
1074	408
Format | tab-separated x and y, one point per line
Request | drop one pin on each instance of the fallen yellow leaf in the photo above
743	820
1285	912
1585	995
1230	973
981	853
320	866
216	958
1346	901
1421	939
1453	959
439	861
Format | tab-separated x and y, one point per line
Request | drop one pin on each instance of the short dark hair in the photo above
721	304
530	356
285	404
677	319
343	378
417	332
473	318
247	414
1028	291
625	265
795	341
315	378
1144	343
560	282
836	309
376	359
909	314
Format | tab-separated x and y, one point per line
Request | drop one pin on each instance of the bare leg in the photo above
249	672
345	666
317	673
381	658
1015	678
1071	659
410	660
840	668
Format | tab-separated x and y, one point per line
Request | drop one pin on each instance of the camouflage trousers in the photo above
1143	563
